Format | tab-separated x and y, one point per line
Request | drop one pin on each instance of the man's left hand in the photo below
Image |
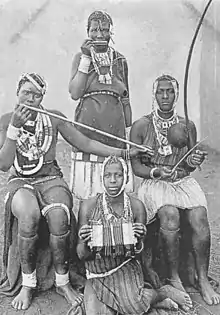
197	157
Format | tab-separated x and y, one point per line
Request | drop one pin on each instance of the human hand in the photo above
166	173
86	46
196	158
140	230
85	233
20	115
147	152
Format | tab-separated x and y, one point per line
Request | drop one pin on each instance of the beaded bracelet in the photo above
152	173
13	132
138	251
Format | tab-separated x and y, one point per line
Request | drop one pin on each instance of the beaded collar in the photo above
161	127
103	60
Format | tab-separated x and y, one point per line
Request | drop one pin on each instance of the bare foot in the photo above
23	300
176	283
167	304
207	292
181	298
73	297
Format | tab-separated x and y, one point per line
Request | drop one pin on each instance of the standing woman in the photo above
99	80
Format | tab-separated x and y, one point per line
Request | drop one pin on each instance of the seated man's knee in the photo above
26	209
169	218
58	218
198	220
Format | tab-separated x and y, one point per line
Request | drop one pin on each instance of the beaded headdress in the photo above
35	79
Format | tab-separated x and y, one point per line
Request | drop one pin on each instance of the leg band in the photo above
29	280
61	280
54	206
169	231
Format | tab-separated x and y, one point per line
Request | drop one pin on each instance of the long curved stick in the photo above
191	144
42	111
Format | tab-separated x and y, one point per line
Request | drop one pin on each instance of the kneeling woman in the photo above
111	233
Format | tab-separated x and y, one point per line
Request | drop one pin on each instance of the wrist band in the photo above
13	132
138	251
152	173
84	64
189	162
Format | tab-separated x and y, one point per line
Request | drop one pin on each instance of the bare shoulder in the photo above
141	125
136	203
5	120
88	204
183	121
86	207
138	209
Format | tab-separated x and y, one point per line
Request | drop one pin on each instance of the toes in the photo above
19	305
216	300
175	306
185	308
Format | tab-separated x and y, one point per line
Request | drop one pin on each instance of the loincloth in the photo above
183	194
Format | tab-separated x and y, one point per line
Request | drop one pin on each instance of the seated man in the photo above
115	282
36	189
169	194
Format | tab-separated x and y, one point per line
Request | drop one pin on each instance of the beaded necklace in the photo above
103	60
161	127
32	146
109	213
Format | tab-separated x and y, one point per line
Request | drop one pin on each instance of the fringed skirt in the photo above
183	194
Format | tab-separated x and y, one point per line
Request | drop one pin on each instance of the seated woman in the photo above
111	234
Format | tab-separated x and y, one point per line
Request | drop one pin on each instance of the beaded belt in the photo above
100	93
86	157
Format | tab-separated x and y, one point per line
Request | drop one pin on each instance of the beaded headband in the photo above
35	79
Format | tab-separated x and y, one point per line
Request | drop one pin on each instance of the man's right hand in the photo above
165	172
86	46
20	115
85	233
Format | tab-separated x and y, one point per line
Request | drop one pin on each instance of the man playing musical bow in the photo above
170	195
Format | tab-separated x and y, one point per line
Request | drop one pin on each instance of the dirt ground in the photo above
48	303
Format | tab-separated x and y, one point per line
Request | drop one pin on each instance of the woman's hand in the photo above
140	230
85	233
86	46
20	115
